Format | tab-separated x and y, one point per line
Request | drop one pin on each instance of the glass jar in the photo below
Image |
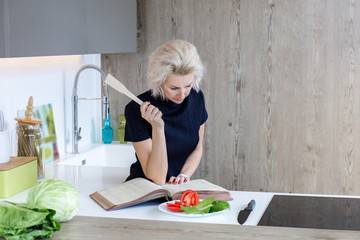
122	129
30	143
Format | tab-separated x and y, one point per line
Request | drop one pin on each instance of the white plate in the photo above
163	208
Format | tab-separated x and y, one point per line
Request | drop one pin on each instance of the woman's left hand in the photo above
178	179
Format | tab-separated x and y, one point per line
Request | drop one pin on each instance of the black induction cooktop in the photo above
312	212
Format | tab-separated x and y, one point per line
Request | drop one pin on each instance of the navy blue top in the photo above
182	124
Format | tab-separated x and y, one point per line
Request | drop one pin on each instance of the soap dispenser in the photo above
107	131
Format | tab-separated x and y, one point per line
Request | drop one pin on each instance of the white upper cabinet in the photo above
64	27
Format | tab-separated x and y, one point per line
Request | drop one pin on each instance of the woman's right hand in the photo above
151	114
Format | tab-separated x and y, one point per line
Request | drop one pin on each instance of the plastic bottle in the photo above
107	131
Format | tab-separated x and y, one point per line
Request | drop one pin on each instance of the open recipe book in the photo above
141	190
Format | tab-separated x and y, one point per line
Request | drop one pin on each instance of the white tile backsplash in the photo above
50	80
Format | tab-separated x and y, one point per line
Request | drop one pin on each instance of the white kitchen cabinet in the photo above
53	27
111	26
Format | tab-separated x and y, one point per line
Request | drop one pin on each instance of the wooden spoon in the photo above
118	86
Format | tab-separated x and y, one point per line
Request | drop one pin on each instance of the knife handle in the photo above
251	205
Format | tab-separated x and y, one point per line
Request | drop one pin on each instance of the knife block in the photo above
17	175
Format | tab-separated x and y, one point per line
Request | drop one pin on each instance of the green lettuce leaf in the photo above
201	208
218	206
26	221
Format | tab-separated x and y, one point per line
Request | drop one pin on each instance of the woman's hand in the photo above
151	114
181	178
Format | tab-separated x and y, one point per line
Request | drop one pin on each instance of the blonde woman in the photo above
167	129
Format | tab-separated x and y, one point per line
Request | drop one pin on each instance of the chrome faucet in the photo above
74	98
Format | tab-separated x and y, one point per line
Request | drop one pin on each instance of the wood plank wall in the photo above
282	88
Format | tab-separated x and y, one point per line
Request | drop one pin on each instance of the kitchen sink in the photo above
103	155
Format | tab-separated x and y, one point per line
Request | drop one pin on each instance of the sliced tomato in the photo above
174	207
195	199
190	198
180	203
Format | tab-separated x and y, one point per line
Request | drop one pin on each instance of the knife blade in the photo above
244	214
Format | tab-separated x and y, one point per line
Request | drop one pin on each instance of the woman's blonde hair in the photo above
176	57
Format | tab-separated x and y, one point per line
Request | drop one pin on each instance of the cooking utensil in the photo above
2	121
118	86
244	214
4	147
4	142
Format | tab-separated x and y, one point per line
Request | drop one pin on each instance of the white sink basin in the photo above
104	155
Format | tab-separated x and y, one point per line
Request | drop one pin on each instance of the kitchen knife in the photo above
244	214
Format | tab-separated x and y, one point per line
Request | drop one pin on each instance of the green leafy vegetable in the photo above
218	206
58	195
201	208
25	221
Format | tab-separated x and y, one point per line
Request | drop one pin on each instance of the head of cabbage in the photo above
57	195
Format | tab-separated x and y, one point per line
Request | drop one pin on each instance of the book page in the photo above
195	185
130	191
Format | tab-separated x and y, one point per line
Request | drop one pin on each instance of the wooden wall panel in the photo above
282	88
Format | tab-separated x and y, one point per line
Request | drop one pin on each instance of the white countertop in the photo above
88	179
